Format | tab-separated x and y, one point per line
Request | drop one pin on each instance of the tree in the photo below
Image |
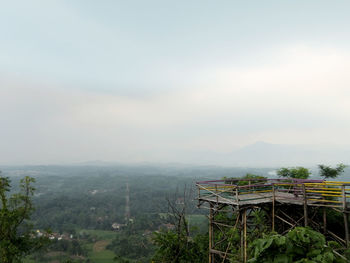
177	245
245	180
17	238
299	245
294	172
329	172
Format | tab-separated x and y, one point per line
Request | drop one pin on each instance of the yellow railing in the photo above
320	193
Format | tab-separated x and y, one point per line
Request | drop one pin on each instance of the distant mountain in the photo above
266	154
259	154
262	154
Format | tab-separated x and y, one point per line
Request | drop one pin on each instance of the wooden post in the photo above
305	206
245	235
343	193
242	236
211	235
346	225
345	215
273	207
324	221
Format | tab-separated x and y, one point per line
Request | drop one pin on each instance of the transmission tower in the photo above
127	205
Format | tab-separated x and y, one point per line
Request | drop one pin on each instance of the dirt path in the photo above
100	245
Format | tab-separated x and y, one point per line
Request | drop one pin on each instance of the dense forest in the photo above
84	210
84	207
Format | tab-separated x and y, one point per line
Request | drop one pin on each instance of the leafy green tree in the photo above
245	180
299	245
174	248
131	245
329	172
252	179
17	238
294	172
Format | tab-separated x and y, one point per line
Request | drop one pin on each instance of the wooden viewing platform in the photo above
288	191
245	195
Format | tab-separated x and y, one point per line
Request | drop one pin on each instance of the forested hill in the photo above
84	206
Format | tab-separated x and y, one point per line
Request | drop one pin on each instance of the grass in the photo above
100	234
97	251
195	217
102	256
100	245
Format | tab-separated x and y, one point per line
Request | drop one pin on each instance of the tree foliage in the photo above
178	245
329	172
299	245
174	248
17	239
249	178
294	172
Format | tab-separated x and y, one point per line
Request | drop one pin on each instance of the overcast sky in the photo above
135	81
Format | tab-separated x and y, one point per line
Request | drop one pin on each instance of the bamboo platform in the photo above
287	191
245	196
257	199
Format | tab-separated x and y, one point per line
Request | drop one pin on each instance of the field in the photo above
97	251
99	234
102	256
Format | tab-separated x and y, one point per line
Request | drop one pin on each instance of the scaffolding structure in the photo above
277	197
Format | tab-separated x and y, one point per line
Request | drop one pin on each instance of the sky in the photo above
155	81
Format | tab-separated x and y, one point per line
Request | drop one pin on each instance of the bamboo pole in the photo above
345	215
245	235
346	226
336	237
305	206
324	221
242	236
343	197
211	236
273	207
285	221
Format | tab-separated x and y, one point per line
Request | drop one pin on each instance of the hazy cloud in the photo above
159	81
301	97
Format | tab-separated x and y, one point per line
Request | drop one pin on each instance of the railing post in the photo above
217	195
343	197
